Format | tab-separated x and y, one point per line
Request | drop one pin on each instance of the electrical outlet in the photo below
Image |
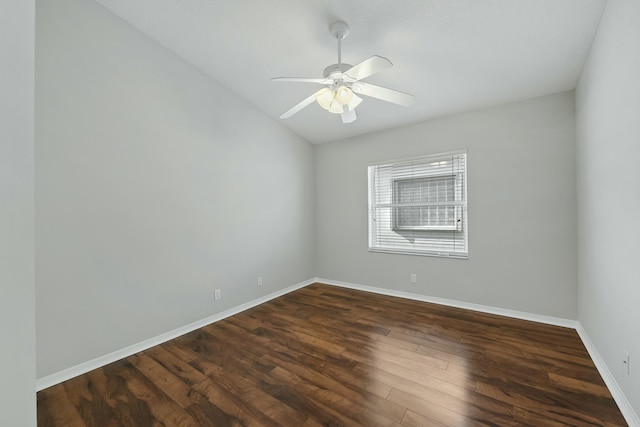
217	295
413	278
626	361
260	281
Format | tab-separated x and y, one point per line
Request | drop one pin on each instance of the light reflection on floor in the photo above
432	384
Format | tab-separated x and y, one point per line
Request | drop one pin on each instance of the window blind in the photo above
419	205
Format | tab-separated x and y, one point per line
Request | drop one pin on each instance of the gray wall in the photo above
17	311
522	208
608	151
154	186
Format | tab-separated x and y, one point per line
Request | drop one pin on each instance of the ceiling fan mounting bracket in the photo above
339	30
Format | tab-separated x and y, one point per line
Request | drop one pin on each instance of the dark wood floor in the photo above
327	356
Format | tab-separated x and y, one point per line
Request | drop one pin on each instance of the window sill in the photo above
454	255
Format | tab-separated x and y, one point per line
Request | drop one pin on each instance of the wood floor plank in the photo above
568	383
461	414
429	396
233	405
88	400
413	419
162	378
318	379
351	410
163	409
336	367
428	376
440	413
111	383
238	378
56	409
525	417
329	356
554	406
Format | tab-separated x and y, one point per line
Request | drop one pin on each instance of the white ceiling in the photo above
453	56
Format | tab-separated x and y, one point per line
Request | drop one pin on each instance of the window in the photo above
419	206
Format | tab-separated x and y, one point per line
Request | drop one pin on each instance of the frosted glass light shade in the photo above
336	107
343	95
355	101
325	98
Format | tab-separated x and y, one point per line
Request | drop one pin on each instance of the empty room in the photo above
320	213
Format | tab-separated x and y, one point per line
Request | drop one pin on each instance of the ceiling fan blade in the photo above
348	116
301	80
368	67
383	93
291	111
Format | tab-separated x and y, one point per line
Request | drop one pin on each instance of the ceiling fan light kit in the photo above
334	101
342	80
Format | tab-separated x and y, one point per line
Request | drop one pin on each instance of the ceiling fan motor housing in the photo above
335	71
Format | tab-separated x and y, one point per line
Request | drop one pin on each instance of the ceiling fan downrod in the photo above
339	30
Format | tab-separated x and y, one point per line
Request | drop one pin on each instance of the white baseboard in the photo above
74	371
556	321
625	406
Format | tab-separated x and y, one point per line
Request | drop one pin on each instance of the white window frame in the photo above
386	235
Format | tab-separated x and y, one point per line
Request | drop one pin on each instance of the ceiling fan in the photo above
343	83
